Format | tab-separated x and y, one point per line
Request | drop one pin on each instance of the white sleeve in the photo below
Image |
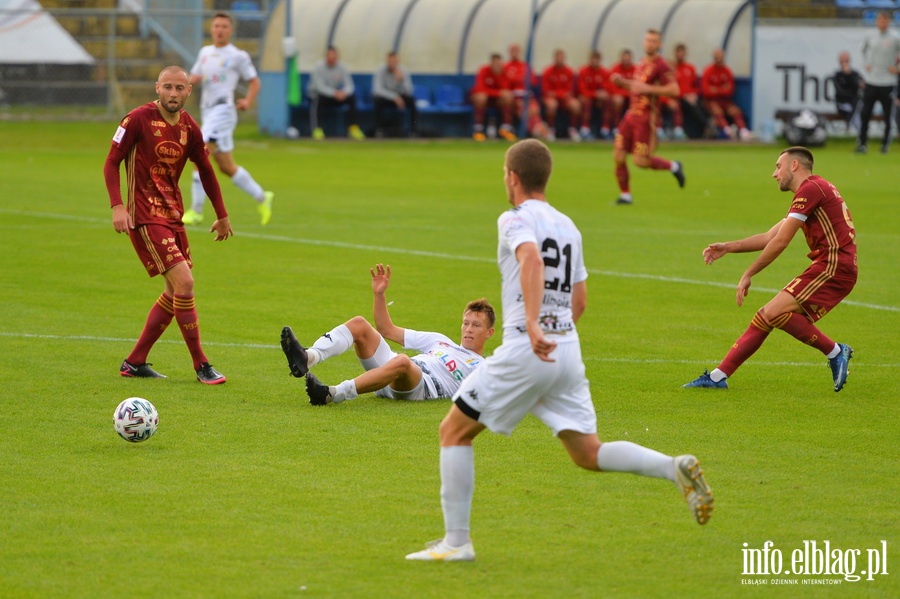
514	230
422	341
246	68
195	70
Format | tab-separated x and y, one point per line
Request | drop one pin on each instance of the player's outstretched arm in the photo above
381	279
754	243
785	232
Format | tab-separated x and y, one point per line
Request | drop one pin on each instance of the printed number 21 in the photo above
552	257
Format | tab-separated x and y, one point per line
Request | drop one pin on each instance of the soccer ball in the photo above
136	419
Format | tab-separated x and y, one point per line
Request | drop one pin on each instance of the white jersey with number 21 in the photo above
559	242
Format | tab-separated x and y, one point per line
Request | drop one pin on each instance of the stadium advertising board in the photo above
792	67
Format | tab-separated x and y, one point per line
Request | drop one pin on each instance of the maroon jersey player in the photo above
820	211
636	133
156	140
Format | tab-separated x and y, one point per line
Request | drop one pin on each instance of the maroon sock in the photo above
746	345
801	329
157	320
479	116
622	177
739	120
660	164
186	316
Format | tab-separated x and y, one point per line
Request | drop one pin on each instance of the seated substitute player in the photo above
538	369
434	373
636	134
593	91
821	212
491	90
558	90
717	84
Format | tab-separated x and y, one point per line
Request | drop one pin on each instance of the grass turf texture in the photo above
248	491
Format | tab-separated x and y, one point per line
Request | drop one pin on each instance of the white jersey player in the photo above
434	373
538	369
220	67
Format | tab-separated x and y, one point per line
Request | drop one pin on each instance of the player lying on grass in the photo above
819	210
434	373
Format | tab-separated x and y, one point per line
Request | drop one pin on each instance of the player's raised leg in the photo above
588	452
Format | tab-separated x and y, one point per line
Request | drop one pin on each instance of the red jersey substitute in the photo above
515	71
155	153
591	79
626	73
653	72
717	83
488	82
686	76
558	82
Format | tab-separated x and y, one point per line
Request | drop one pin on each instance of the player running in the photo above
821	212
435	373
637	131
220	67
538	369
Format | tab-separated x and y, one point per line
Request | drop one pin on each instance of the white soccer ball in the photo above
136	419
292	133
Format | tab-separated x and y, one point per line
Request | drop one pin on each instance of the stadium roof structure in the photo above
30	35
454	38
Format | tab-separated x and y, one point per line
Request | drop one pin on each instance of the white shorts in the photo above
383	354
514	382
218	126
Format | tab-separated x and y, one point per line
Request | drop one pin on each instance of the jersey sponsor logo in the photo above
799	203
161	124
169	152
120	132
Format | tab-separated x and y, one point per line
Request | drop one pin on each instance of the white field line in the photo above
483	259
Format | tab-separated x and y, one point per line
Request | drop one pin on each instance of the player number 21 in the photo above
552	257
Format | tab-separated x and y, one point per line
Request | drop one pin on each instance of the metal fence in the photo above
78	61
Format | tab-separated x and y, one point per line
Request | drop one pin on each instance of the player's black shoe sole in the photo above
318	392
295	353
139	371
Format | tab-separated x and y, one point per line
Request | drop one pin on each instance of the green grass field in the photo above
248	491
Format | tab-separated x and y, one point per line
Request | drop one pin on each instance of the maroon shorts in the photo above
820	288
636	135
160	248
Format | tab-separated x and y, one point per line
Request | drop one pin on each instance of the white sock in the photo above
331	344
834	353
626	195
198	196
675	165
457	488
345	390
246	183
717	375
625	456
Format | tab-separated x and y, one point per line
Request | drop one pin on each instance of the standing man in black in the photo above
881	52
848	85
